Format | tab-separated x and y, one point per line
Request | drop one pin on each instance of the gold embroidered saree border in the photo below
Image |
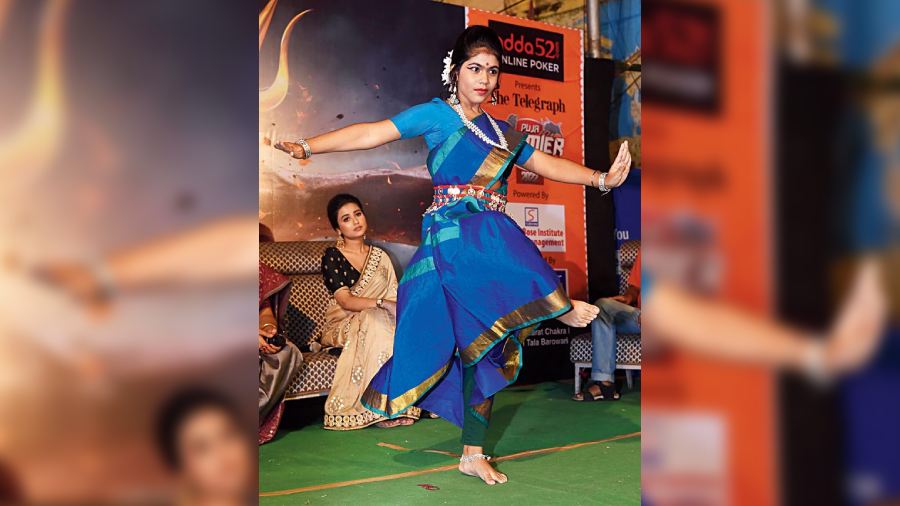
378	402
484	409
496	160
363	420
551	304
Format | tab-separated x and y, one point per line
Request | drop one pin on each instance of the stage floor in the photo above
555	451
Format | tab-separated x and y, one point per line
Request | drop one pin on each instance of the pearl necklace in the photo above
477	131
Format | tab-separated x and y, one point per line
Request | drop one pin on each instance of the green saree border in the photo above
482	412
444	150
415	270
513	154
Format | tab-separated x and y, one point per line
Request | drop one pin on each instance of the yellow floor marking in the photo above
420	472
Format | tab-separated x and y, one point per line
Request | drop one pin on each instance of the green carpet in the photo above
525	418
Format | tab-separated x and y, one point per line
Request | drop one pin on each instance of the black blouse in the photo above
337	271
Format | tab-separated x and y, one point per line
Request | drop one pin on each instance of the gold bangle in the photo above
264	325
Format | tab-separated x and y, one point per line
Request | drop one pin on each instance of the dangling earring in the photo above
340	241
494	97
453	98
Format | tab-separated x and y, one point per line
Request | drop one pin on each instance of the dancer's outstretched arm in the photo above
566	171
672	315
349	138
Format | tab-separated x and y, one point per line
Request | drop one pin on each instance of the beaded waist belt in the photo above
448	194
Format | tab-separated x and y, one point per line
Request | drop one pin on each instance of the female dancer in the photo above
477	285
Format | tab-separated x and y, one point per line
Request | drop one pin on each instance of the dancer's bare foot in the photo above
480	467
581	314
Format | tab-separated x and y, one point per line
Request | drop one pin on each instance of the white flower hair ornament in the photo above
445	75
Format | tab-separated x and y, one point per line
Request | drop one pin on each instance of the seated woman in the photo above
360	318
279	359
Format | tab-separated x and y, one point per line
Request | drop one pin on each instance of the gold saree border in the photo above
550	304
377	401
496	160
484	409
511	360
489	168
363	420
373	260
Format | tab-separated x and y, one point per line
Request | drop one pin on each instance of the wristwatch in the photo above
379	303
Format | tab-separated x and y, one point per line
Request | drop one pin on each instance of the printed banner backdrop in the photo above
541	95
713	420
869	39
620	31
330	74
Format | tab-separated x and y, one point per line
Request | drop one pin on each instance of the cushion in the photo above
305	314
315	375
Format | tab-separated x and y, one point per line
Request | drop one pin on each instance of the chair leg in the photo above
577	379
628	380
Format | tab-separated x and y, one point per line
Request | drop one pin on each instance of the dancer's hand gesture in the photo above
859	328
291	148
618	171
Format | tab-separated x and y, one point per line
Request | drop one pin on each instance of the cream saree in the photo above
367	339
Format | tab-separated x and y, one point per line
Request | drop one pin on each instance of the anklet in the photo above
465	459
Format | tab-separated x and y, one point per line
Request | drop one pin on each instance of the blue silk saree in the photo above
475	288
